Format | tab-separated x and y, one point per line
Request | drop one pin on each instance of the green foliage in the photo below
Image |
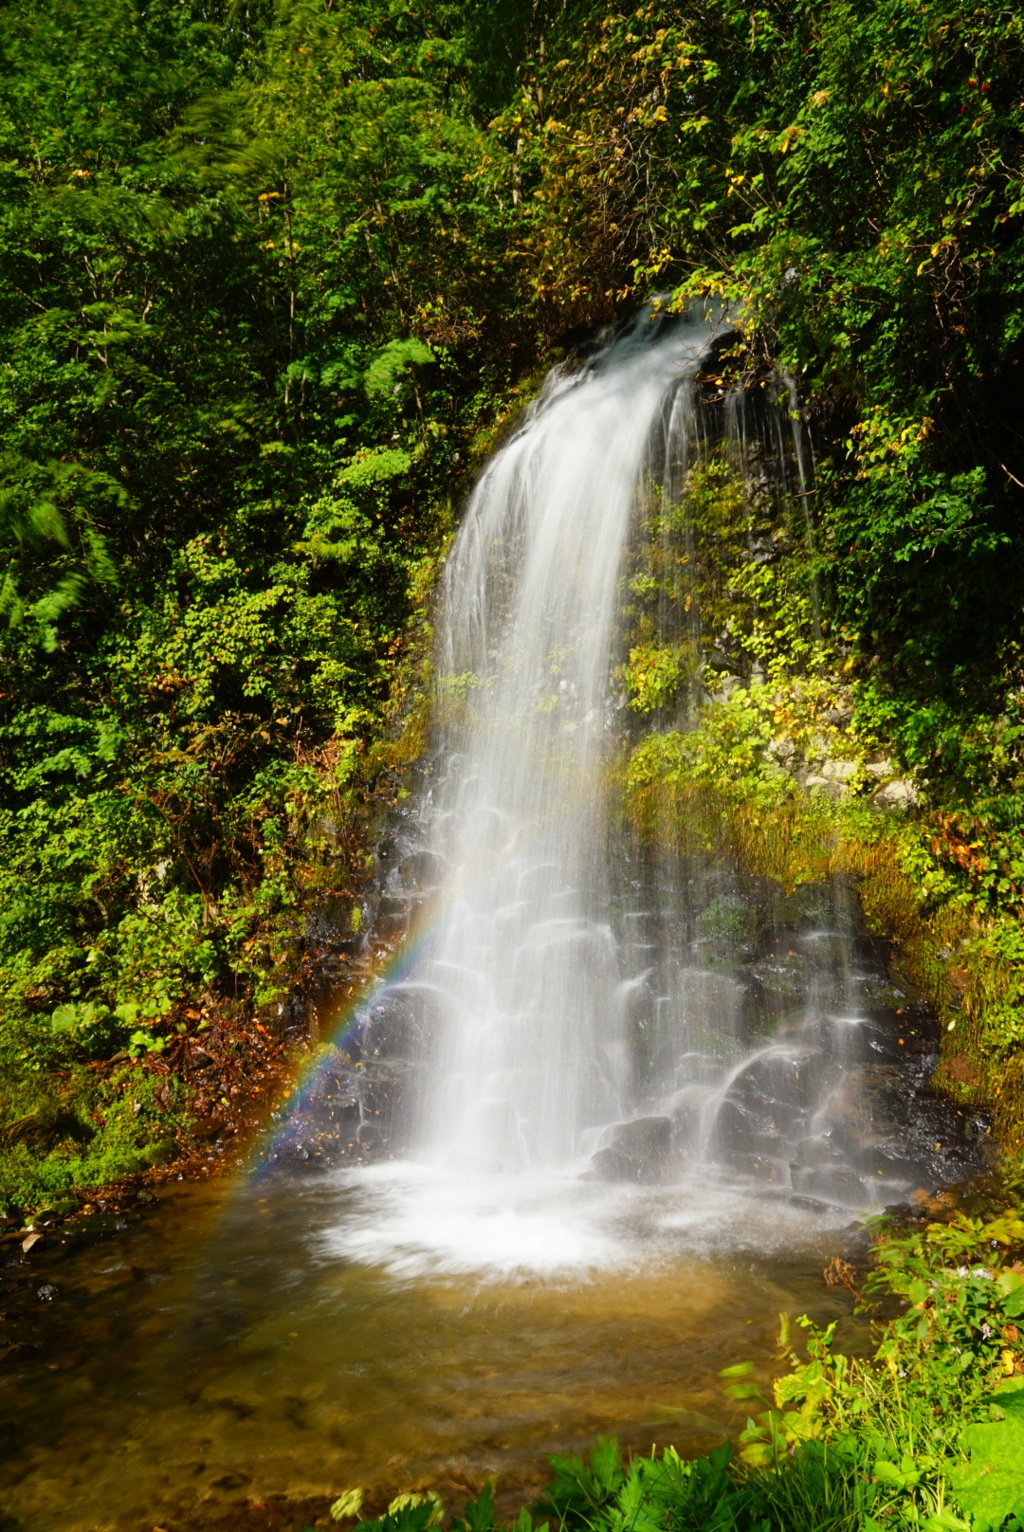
815	1491
242	256
347	1505
991	1487
932	1421
81	1128
851	177
408	1513
721	579
728	754
386	368
653	677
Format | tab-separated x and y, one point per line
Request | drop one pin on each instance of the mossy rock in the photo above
832	906
877	994
160	1153
730	920
62	1206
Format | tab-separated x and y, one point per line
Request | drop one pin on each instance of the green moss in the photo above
727	920
84	1128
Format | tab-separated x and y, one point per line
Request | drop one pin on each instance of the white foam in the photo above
415	1220
418	1220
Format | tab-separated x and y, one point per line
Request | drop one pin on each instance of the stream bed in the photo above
220	1363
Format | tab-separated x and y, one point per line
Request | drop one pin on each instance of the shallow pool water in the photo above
276	1343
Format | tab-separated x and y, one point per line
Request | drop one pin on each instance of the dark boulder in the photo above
639	1151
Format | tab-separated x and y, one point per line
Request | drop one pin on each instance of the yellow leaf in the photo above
348	1504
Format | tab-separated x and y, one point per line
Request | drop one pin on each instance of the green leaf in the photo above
411	1500
943	1521
78	1016
991	1487
144	1042
384	372
903	1477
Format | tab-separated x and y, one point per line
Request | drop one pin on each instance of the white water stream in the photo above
531	1049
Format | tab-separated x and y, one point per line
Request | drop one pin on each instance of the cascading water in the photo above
582	1017
530	1048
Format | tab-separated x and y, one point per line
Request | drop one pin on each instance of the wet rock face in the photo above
772	1035
768	1042
351	1108
639	1151
396	1027
347	1113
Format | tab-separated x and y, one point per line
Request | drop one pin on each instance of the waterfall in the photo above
578	1018
530	1048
